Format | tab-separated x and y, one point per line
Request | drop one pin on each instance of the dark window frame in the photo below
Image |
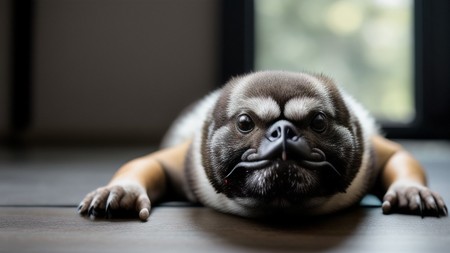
20	90
237	38
431	64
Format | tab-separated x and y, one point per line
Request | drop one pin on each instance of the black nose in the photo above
284	130
282	139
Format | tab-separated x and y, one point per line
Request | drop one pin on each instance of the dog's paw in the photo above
413	198
118	200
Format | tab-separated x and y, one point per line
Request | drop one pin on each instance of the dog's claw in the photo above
421	207
91	211
436	211
107	208
108	213
437	214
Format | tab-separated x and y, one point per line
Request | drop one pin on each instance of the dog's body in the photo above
270	143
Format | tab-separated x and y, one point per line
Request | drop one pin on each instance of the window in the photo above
365	45
421	81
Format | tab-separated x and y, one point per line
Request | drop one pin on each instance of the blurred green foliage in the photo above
365	45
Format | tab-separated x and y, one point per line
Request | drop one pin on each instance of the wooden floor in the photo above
40	188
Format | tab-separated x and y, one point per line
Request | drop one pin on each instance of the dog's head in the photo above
278	139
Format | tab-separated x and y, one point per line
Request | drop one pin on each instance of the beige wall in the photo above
119	70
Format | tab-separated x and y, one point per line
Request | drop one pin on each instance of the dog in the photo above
271	143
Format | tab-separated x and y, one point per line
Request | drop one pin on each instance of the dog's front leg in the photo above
404	182
137	184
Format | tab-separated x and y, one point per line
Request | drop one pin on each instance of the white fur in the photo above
184	128
265	108
298	108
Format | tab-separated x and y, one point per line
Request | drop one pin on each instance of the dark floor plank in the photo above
198	229
58	176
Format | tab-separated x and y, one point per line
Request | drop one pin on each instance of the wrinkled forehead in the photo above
272	95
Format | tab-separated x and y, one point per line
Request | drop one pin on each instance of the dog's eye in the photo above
245	123
319	123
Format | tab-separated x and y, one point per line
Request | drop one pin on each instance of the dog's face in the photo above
281	139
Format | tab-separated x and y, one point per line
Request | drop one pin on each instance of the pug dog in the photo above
271	143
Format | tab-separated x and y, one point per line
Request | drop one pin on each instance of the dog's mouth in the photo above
282	181
252	161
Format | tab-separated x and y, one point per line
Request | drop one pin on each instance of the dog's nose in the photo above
282	139
283	130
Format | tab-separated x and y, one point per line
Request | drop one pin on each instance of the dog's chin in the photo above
279	184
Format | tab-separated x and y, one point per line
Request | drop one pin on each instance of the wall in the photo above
111	70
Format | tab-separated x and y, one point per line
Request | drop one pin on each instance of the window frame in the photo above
20	58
